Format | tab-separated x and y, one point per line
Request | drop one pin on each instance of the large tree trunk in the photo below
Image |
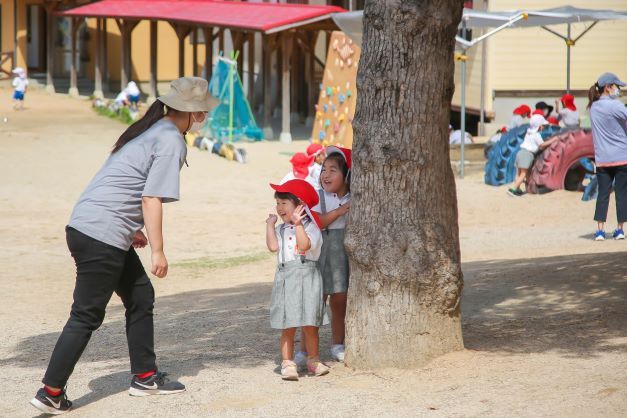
402	238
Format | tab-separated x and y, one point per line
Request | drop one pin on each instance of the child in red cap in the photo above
297	291
301	164
317	151
568	115
333	262
519	116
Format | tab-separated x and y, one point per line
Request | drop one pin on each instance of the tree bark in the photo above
403	238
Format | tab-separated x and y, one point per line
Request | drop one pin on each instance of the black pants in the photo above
605	177
102	269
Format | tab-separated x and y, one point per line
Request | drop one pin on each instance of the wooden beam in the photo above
251	69
153	61
73	92
195	52
126	30
98	61
268	44
208	33
286	54
50	37
181	33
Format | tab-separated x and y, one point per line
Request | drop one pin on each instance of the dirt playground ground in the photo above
544	312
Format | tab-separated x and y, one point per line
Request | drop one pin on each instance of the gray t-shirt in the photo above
110	209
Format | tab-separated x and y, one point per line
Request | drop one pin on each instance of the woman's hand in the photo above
140	240
272	219
298	215
159	264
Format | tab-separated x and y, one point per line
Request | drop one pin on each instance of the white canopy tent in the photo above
351	24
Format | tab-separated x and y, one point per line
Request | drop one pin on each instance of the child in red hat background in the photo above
519	116
319	154
297	291
568	114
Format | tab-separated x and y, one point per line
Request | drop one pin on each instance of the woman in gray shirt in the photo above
125	195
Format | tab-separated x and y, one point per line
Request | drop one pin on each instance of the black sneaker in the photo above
157	384
48	404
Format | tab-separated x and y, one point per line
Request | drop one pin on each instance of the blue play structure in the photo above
500	168
232	119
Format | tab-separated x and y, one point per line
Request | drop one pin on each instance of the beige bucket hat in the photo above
189	94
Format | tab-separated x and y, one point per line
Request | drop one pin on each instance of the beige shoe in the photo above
289	370
316	367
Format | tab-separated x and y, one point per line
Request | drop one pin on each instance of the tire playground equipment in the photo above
564	164
500	168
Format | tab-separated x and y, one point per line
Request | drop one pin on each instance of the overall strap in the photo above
323	203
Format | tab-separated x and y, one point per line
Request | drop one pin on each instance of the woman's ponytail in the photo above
594	93
154	113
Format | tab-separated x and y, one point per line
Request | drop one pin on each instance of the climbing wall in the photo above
336	104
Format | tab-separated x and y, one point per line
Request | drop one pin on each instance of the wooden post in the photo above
286	53
73	91
126	29
238	39
221	40
181	33
98	61
276	103
208	32
153	62
195	52
50	36
251	69
106	75
268	42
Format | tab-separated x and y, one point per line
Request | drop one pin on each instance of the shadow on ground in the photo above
573	305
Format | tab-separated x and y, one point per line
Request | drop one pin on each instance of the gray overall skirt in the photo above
333	261
297	296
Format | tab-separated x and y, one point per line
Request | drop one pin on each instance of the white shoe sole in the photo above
150	392
619	237
45	408
599	239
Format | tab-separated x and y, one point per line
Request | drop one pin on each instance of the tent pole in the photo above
482	91
568	42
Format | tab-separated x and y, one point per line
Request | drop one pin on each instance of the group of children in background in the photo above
312	202
542	116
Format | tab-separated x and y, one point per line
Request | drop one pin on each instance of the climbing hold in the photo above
333	108
346	110
329	91
323	94
341	118
318	115
321	135
336	113
324	108
341	98
327	123
349	93
336	127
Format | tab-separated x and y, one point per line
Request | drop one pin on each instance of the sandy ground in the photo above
544	311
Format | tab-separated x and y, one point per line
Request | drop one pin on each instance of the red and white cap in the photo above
300	164
345	152
303	191
314	149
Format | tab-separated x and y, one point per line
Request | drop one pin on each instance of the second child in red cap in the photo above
568	114
319	154
297	291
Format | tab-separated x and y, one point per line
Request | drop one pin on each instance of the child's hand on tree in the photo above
272	219
343	209
298	215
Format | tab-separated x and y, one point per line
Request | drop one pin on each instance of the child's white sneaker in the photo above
301	360
317	368
289	371
337	352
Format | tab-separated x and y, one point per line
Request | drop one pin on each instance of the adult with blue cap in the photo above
608	117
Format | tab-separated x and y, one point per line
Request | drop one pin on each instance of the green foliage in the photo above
122	114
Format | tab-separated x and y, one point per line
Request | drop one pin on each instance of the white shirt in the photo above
455	138
132	89
569	117
532	141
290	176
332	201
288	249
515	122
20	84
314	175
121	98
